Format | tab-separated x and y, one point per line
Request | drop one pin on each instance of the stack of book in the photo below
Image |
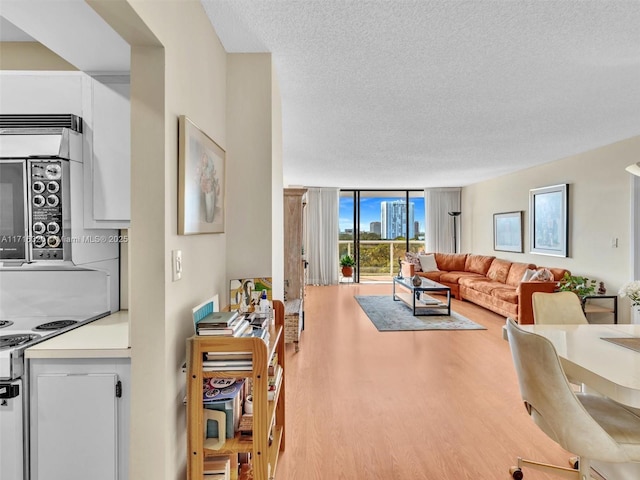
217	468
223	323
258	320
274	382
227	361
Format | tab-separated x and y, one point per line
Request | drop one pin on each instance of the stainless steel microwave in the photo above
35	222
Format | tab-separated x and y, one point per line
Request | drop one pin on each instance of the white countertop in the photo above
107	337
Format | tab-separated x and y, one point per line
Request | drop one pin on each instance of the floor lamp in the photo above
455	240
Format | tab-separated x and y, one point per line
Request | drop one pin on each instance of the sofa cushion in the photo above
499	270
428	263
455	277
517	271
413	259
478	264
507	294
451	261
481	284
433	275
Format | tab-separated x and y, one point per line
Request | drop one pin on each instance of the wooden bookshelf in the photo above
265	413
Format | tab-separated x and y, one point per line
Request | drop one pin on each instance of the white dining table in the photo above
603	367
609	369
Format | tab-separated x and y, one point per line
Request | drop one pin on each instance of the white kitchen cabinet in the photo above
107	169
79	418
41	92
103	103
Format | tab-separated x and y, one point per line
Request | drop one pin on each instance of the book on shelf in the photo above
244	330
245	427
219	389
227	363
274	382
228	356
217	465
218	319
230	368
231	330
272	364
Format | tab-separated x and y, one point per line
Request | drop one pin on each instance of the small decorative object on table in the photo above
601	289
399	268
416	280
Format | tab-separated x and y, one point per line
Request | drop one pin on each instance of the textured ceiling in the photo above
413	94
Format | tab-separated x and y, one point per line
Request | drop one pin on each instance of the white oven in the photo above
36	305
11	428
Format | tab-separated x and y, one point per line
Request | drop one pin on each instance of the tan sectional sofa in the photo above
490	282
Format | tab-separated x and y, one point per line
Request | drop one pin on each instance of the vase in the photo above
347	271
209	206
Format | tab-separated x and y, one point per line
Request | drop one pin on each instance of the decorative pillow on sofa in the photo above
413	259
428	263
542	275
528	274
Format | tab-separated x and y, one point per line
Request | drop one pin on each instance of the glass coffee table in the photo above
417	298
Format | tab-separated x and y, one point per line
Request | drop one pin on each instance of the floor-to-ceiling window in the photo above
377	227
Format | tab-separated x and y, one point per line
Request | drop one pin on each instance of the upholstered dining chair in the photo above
591	426
557	308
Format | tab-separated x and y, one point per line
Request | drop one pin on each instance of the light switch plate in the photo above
176	262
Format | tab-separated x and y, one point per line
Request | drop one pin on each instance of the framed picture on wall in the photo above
507	232
549	220
201	163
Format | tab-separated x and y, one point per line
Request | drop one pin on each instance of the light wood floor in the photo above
363	404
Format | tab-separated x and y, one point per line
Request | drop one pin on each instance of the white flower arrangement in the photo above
632	291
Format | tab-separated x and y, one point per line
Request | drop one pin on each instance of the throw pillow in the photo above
542	275
413	259
528	274
428	263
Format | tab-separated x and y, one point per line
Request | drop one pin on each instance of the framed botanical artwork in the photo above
507	232
201	181
549	220
244	293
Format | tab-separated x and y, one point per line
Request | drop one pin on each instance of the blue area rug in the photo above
392	316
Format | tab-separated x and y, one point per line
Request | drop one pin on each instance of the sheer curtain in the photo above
321	235
439	232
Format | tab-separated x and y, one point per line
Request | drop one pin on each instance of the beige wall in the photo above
277	200
599	203
230	97
178	67
250	170
30	56
194	74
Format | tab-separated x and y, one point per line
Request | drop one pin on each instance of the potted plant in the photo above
581	286
347	262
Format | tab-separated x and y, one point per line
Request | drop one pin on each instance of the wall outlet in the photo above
176	261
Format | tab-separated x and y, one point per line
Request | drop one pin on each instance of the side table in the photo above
597	307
